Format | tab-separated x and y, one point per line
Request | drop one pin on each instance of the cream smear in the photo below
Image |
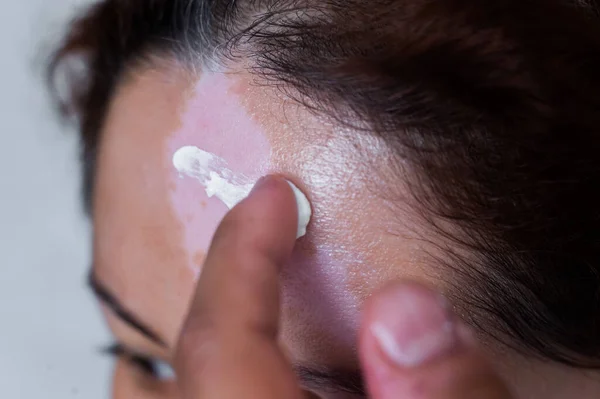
212	172
221	182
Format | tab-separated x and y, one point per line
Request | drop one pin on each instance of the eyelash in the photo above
151	367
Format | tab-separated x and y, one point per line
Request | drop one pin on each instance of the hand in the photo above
411	346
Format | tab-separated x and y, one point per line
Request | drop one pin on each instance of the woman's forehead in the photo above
153	225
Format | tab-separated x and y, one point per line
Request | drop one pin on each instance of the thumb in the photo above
412	346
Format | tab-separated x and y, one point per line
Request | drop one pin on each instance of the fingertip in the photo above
413	346
264	222
411	324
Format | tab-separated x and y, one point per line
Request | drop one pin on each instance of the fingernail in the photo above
413	325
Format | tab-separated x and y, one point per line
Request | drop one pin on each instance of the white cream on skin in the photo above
212	172
229	187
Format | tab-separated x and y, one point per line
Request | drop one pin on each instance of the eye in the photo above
155	368
152	367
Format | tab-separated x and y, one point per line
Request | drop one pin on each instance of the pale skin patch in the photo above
213	122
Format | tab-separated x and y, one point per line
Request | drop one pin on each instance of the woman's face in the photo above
153	227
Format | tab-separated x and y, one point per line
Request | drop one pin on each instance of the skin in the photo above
153	229
218	347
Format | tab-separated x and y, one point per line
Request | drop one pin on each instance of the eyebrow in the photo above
105	296
311	378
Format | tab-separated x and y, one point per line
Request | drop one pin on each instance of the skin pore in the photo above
152	227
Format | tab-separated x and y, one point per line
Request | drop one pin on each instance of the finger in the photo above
228	345
412	346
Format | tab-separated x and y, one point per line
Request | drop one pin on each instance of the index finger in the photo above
228	345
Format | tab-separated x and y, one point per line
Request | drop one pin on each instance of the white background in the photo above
50	329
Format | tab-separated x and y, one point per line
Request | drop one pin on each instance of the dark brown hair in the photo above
495	103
